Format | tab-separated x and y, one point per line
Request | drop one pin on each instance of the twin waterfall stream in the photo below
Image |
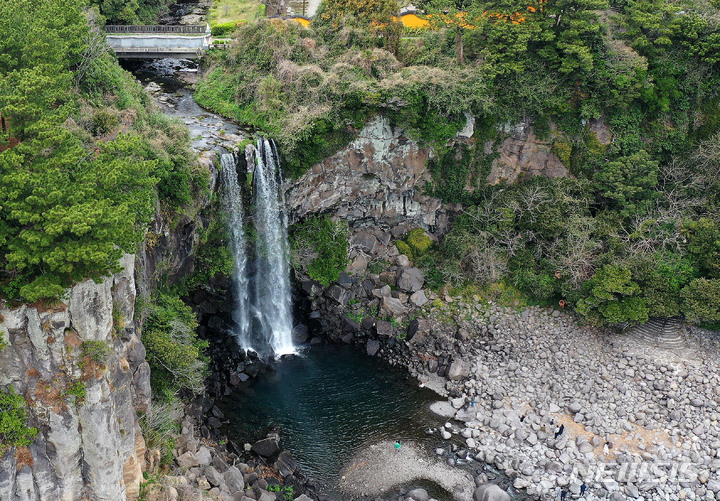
261	279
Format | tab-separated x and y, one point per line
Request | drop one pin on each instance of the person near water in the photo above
397	445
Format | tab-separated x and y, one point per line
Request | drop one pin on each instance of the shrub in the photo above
14	431
225	29
98	351
174	351
418	241
320	248
77	390
160	425
404	248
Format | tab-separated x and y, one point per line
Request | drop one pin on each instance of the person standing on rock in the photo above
559	430
397	445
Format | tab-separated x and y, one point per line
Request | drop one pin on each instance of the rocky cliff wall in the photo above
89	446
376	179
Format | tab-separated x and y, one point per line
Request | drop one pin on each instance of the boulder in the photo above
490	492
234	479
337	294
459	369
383	328
266	447
365	241
410	279
372	347
203	456
285	464
358	266
392	307
187	460
419	495
418	298
213	476
300	334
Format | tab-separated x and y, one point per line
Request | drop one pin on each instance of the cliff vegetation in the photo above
84	154
626	92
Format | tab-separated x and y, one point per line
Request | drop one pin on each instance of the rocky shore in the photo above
557	406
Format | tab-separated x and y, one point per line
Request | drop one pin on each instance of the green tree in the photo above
627	184
574	32
132	11
613	297
703	243
701	300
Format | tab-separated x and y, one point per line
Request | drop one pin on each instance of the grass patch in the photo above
227	11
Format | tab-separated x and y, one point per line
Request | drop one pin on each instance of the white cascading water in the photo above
272	305
238	247
263	309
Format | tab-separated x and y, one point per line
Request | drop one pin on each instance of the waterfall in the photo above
263	309
238	248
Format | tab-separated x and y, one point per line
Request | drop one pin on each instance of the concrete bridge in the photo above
158	42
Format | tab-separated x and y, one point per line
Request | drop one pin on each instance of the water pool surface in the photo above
328	403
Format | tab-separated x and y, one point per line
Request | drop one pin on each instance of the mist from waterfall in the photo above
261	288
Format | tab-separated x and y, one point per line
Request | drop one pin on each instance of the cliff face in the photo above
378	177
88	446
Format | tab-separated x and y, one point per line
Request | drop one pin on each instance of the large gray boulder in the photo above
392	307
459	369
490	492
410	279
234	479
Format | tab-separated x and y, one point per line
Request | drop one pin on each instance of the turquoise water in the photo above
327	404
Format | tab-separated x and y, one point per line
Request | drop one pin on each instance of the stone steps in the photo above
665	333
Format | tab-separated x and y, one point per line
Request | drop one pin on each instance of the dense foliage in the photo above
634	232
132	11
83	156
175	353
14	430
319	247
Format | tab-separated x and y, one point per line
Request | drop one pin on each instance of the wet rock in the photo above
300	334
372	347
266	447
285	464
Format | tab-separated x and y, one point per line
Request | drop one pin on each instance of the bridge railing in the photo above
139	28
